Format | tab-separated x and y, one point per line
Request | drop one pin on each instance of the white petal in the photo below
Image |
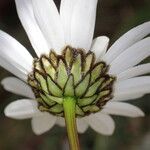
122	109
131	57
66	11
99	46
101	123
43	123
127	96
22	109
26	15
83	23
17	86
128	39
60	121
14	53
49	21
82	125
131	89
133	85
13	69
135	71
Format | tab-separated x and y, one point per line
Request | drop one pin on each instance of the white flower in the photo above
74	25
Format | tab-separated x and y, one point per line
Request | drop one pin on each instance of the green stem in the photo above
69	105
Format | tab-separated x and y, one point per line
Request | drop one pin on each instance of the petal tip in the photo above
6	113
36	132
141	114
3	82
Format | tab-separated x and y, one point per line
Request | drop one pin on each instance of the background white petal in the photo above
13	69
26	16
128	39
134	71
101	123
83	24
22	109
124	96
131	57
17	86
66	11
60	121
133	85
49	21
42	123
99	46
122	109
14	53
82	125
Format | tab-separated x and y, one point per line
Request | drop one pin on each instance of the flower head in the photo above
70	64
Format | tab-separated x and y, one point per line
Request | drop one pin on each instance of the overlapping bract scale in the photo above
72	74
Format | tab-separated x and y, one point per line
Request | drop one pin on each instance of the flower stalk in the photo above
69	105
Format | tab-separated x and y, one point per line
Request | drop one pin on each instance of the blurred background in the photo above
114	18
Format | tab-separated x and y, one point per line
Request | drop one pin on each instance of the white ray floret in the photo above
50	23
60	121
67	8
127	40
99	46
17	86
22	109
27	18
82	125
133	85
83	23
134	71
127	96
13	69
122	109
131	57
43	123
101	123
19	57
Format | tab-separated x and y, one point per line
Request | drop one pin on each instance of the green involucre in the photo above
73	74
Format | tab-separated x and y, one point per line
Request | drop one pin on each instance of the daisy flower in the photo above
73	79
